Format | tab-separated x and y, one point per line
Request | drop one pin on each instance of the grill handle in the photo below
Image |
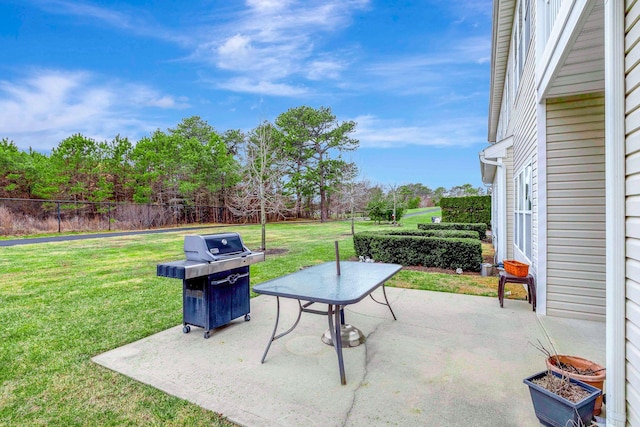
231	279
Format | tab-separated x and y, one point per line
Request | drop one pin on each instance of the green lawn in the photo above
62	303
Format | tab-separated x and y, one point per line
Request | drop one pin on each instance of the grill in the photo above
215	280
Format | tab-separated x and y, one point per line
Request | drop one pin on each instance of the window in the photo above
521	38
522	211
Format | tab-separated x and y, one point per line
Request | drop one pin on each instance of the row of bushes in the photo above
466	209
445	233
479	228
420	248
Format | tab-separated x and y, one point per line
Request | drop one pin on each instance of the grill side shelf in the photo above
173	270
189	269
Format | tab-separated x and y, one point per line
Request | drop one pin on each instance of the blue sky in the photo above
414	75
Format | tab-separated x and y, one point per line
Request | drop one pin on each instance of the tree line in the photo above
293	166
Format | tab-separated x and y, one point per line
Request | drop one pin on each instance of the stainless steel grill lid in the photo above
214	247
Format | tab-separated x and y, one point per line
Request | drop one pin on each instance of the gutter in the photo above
614	72
502	206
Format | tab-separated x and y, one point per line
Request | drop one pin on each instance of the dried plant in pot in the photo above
580	369
561	401
558	399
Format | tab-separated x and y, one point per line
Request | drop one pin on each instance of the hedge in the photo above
471	209
362	240
449	253
464	234
479	228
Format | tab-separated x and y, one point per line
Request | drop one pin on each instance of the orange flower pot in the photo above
595	380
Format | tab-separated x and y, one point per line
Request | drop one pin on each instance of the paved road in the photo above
28	241
421	212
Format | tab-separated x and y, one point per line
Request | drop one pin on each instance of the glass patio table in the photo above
331	283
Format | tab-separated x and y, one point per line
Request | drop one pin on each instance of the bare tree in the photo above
358	193
393	190
260	191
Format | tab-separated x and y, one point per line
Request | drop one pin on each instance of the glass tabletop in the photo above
321	283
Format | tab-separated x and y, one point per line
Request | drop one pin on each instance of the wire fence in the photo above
28	216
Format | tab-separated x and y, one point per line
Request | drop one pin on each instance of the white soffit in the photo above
573	58
503	13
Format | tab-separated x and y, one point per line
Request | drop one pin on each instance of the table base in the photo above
349	334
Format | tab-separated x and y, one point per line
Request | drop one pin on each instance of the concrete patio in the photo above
449	360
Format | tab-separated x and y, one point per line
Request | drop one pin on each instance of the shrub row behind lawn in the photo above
479	227
449	253
446	234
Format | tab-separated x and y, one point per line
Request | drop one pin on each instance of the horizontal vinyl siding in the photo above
576	207
525	140
632	208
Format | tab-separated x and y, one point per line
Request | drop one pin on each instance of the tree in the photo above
75	162
311	138
352	195
116	158
382	207
156	160
207	167
15	168
260	191
194	127
439	193
465	190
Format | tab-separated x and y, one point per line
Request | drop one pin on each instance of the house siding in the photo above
632	207
525	149
517	118
576	285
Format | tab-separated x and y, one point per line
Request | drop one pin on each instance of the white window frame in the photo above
523	211
521	39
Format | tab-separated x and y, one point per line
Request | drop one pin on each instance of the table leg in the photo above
275	328
334	327
384	292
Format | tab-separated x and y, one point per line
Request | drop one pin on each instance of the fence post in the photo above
58	203
148	215
109	215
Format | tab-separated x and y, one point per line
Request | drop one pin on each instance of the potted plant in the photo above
580	369
561	401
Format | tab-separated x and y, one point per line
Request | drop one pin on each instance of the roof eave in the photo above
503	11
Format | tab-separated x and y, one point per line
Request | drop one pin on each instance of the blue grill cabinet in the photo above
215	290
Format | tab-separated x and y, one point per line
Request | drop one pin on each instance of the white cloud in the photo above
261	87
451	67
273	41
264	42
48	106
133	21
238	45
268	5
379	133
324	69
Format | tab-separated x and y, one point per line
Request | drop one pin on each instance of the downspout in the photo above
614	31
502	206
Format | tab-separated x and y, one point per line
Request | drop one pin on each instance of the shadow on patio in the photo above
449	360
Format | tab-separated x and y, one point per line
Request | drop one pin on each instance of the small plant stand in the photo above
526	280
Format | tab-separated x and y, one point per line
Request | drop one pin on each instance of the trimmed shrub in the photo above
447	234
479	228
449	253
471	209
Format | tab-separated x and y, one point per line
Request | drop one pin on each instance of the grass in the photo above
62	303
